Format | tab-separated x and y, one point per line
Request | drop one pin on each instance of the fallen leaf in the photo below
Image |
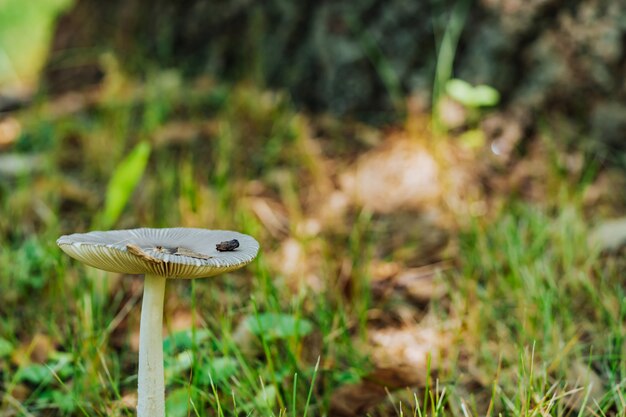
20	392
412	347
271	214
176	132
420	284
10	130
403	357
37	350
609	235
452	113
399	174
122	406
586	386
355	399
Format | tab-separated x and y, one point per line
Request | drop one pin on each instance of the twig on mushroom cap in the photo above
190	253
137	251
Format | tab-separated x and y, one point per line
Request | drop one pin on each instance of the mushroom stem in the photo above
151	392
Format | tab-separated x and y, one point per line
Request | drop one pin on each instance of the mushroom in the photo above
159	254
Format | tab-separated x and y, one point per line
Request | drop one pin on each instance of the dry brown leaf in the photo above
354	400
121	406
133	339
181	319
417	284
383	271
37	350
20	392
71	103
411	346
292	257
411	238
403	357
298	264
420	283
600	197
609	235
332	210
271	214
10	129
452	113
177	132
399	174
584	382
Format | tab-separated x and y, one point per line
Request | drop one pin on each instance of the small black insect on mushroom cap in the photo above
227	246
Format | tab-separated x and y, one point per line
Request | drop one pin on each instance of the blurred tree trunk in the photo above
561	59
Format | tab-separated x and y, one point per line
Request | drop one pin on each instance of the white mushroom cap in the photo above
171	253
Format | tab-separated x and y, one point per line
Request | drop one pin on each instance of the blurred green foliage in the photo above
278	326
524	296
122	184
21	55
472	96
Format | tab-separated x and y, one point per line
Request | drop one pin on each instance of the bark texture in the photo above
564	60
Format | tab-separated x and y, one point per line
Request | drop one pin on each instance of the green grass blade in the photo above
122	184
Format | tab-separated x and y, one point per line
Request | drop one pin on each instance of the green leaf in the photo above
177	403
63	365
472	139
35	374
218	370
6	348
278	326
123	183
263	402
178	364
64	401
267	397
469	96
486	96
349	376
183	340
459	90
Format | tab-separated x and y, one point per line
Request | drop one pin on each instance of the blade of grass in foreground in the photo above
122	184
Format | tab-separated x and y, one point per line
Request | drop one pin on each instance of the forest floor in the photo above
402	272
